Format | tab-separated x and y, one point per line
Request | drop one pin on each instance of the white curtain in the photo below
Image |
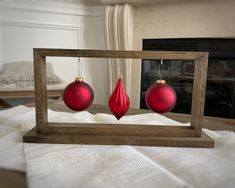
119	35
1	56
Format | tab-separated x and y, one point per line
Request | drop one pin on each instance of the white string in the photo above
79	67
159	69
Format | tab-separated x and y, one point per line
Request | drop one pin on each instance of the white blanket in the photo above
93	166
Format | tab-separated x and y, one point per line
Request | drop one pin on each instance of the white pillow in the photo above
21	74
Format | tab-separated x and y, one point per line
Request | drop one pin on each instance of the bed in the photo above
12	92
59	165
17	82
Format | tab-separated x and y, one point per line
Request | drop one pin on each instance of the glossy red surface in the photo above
160	98
78	95
119	101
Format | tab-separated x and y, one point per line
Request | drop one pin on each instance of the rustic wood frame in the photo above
89	133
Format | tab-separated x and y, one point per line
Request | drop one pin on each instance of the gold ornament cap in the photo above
160	81
79	78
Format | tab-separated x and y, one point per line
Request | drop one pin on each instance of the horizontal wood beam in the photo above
120	54
117	129
204	141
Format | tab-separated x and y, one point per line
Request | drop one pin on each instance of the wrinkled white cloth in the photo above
97	166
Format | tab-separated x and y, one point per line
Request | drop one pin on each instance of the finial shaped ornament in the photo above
119	101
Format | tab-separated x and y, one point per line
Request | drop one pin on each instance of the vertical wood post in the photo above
40	84
199	92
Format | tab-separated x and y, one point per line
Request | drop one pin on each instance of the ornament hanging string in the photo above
160	97
121	61
79	67
78	95
161	65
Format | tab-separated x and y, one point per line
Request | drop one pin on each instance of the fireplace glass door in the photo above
220	90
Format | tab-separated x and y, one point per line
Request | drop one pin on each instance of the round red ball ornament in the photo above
78	95
160	97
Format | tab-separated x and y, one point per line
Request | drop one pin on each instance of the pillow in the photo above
21	74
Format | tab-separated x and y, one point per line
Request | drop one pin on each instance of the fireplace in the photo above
220	91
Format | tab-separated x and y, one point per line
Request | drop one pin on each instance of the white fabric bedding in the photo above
93	166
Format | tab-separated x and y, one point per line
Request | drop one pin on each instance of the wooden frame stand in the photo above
146	135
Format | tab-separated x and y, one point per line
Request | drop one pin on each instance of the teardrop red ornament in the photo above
160	97
119	101
78	95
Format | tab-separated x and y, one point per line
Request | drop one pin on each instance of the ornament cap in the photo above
160	81
79	78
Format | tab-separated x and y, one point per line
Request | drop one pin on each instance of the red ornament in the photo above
119	101
160	97
78	95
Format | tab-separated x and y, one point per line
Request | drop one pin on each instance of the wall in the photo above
180	19
25	25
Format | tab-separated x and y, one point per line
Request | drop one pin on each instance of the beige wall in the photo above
181	19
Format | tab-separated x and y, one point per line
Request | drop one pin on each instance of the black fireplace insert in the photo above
220	91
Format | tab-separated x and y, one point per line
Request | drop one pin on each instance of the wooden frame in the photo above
151	135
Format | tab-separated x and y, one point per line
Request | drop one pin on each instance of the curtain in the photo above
119	35
1	56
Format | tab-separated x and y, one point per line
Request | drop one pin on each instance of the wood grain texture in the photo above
40	90
121	54
204	141
121	134
199	93
118	129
